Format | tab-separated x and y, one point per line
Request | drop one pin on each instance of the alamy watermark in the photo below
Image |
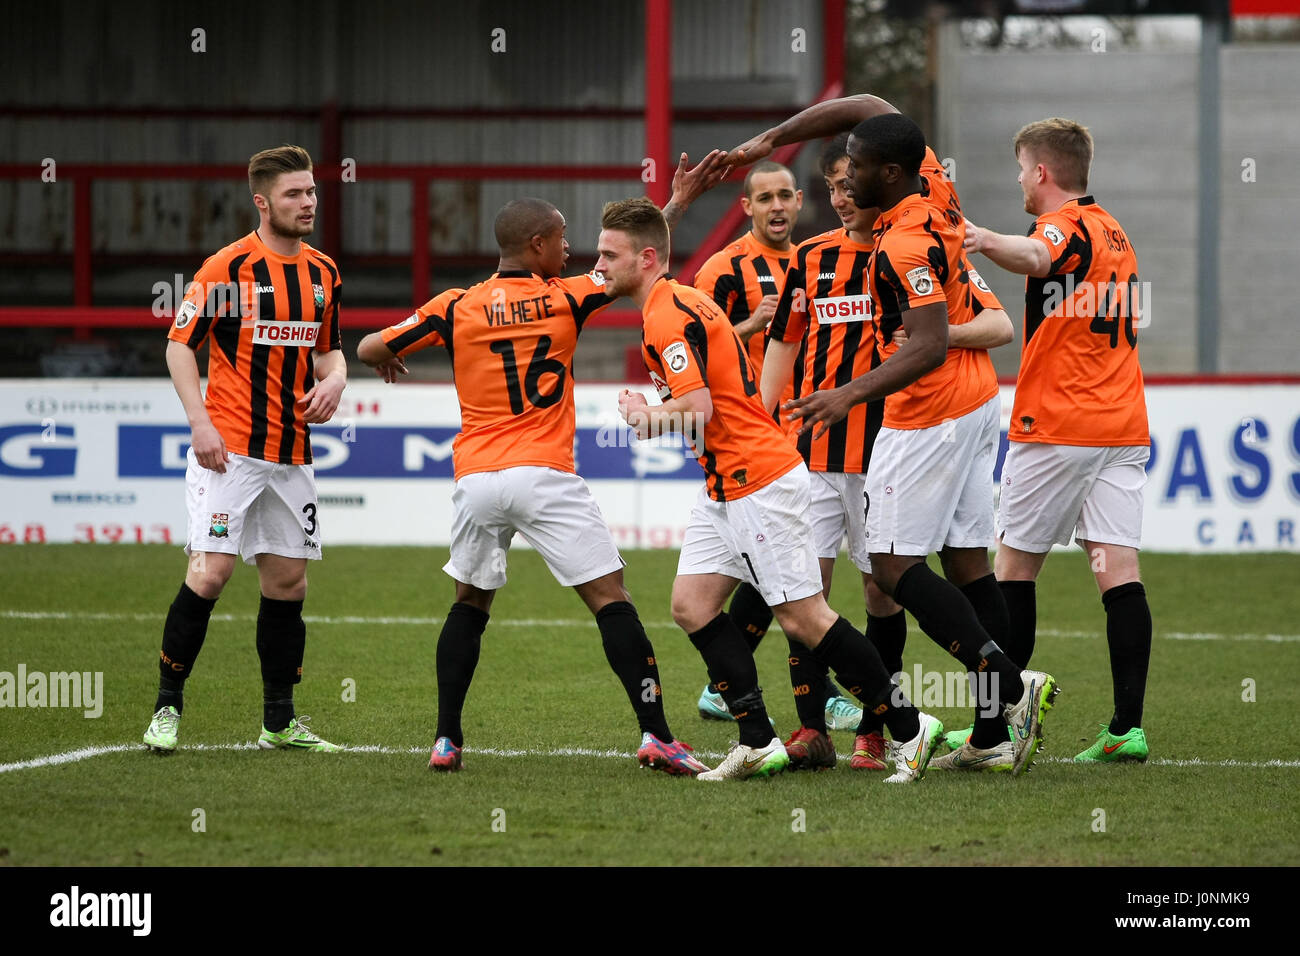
959	689
83	689
75	909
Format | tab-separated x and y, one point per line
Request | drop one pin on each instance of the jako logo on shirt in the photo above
285	333
844	308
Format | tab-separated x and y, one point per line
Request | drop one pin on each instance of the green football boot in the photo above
1111	749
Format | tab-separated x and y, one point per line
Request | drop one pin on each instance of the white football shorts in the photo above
764	538
839	509
930	488
553	510
1050	492
256	507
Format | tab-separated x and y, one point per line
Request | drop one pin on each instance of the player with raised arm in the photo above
750	520
745	279
825	325
268	307
941	421
1076	465
512	340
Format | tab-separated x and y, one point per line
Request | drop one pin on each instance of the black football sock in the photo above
898	714
806	676
632	657
751	614
281	642
1128	633
458	649
1022	609
990	607
277	706
731	667
888	635
183	633
856	662
171	693
948	619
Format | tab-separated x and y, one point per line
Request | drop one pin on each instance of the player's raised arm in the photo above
690	183
1024	255
817	121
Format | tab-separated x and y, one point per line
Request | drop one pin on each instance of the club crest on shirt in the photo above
185	314
1026	424
220	527
318	293
1054	235
676	358
921	281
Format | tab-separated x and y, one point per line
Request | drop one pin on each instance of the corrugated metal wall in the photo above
399	55
1261	206
1142	109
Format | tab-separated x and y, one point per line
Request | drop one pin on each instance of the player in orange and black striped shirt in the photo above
750	520
919	282
827	303
1076	466
268	305
745	279
266	317
512	340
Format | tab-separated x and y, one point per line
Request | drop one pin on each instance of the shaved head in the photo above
520	220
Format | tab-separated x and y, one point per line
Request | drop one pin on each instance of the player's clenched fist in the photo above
633	407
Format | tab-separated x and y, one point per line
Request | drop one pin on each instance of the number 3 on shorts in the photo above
309	509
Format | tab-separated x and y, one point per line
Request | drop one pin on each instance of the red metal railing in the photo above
658	115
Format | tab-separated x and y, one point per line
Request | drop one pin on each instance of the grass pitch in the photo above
549	776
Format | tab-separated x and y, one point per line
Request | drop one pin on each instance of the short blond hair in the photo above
641	220
1063	146
266	166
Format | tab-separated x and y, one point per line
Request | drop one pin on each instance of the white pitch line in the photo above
85	753
563	622
1183	636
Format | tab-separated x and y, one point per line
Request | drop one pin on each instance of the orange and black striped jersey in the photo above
939	191
918	261
511	341
266	315
1080	381
688	344
738	277
826	304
